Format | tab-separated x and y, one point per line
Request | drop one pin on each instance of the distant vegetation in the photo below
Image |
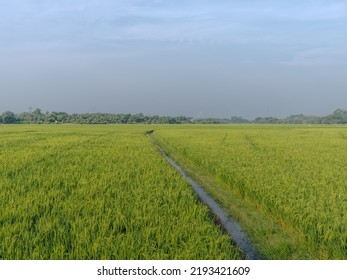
339	116
36	116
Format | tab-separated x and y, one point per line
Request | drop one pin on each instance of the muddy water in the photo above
237	234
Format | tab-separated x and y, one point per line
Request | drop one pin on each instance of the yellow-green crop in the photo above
286	184
98	192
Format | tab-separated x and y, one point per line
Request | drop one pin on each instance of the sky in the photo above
198	58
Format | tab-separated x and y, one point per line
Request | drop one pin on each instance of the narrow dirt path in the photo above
238	236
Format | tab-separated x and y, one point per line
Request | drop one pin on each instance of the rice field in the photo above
98	192
105	192
287	185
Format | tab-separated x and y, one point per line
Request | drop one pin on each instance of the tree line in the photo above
36	116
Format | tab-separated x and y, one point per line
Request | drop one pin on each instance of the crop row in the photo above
294	175
98	192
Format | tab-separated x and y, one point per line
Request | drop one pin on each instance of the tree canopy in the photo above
36	116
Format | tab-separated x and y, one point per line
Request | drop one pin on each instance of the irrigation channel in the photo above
238	236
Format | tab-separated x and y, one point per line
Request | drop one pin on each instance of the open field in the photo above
98	192
287	185
105	192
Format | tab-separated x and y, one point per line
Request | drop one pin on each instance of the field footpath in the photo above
238	236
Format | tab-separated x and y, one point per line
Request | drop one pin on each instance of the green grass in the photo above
285	184
98	192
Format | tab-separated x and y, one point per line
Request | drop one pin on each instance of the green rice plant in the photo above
98	192
285	184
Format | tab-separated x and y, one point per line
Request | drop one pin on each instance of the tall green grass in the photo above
286	184
98	192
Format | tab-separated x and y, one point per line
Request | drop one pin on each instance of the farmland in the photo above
285	184
98	192
105	192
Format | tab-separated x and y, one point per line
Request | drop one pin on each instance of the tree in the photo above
339	116
8	117
38	116
236	119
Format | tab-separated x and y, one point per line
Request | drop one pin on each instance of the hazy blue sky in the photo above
197	58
